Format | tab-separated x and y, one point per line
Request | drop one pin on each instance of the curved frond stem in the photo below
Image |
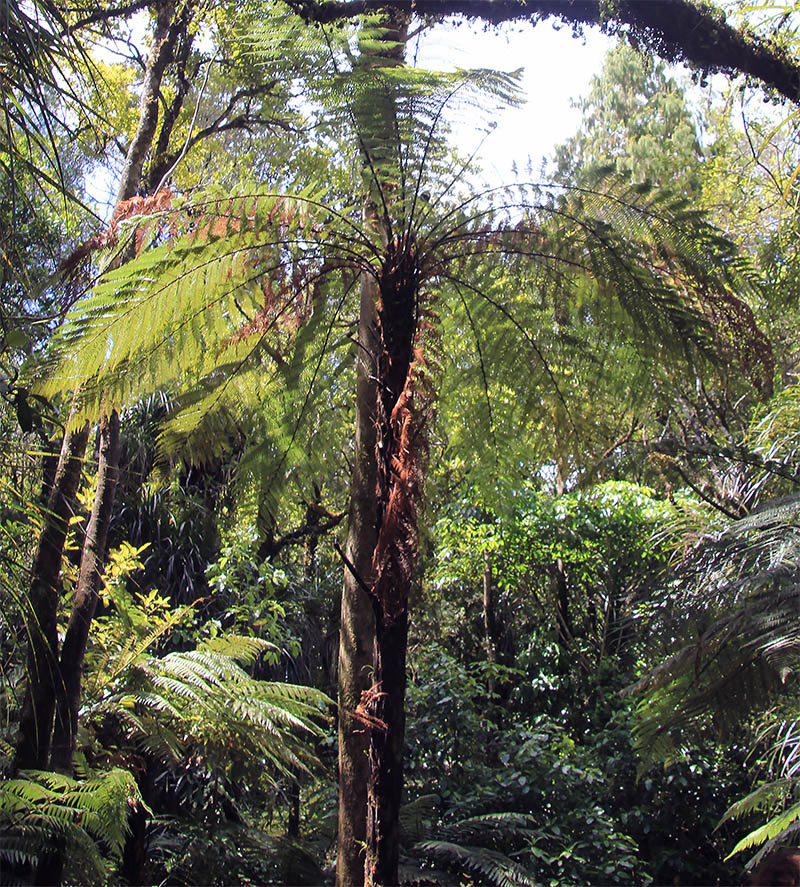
484	379
526	336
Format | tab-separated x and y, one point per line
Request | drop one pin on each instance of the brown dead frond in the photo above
364	711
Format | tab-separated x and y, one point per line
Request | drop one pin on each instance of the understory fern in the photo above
478	847
775	801
204	701
743	583
39	811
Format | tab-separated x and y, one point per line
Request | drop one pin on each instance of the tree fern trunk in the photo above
401	454
393	465
357	630
86	596
385	787
36	721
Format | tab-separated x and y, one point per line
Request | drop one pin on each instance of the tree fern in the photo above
741	584
39	808
775	800
489	866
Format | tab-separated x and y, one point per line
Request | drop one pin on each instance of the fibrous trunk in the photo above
401	449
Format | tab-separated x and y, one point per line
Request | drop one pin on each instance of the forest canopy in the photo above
363	522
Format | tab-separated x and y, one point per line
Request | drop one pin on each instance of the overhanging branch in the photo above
676	30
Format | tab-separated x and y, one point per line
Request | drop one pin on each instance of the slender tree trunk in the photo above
489	623
86	596
402	449
133	867
36	721
43	672
68	683
165	35
385	553
161	50
357	627
293	821
67	673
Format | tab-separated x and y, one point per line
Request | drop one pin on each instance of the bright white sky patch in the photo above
557	70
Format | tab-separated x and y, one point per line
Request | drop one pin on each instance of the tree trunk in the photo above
86	596
385	786
66	686
293	821
402	421
161	49
165	35
357	629
388	460
565	631
489	624
36	721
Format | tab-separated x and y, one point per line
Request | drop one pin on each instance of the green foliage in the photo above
543	733
777	747
740	583
239	308
37	809
631	111
201	700
479	858
603	537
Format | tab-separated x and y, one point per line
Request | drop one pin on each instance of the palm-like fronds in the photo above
238	277
35	47
742	584
776	798
204	700
239	301
475	847
39	808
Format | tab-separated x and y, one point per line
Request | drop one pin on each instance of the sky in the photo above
557	71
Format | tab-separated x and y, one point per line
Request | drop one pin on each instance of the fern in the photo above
743	582
777	828
489	866
474	846
37	808
203	699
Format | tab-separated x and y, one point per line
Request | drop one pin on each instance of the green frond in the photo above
38	807
134	648
204	699
488	824
764	798
271	403
489	866
416	817
240	648
777	828
186	306
782	513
